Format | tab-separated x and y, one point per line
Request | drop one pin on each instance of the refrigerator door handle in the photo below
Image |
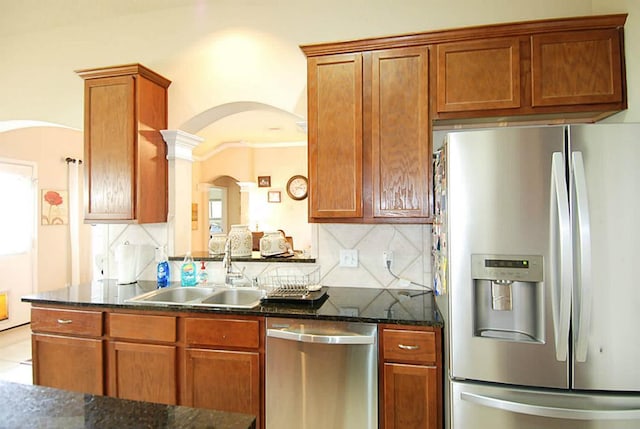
561	256
583	272
553	412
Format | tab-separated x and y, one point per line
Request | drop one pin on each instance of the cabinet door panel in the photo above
410	397
151	156
68	363
335	136
223	380
401	153
576	68
478	75
109	148
143	372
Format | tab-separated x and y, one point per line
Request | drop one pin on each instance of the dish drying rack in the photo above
290	283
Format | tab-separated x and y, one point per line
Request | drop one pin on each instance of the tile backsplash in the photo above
410	244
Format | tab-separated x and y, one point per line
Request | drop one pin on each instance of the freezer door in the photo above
499	185
607	292
479	405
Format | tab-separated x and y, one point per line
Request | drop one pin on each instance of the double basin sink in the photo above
201	297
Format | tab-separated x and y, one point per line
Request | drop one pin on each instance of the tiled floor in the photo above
15	355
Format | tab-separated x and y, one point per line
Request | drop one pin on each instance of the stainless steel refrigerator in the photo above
537	250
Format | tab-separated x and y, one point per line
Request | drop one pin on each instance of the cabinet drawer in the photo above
223	332
76	322
142	327
409	346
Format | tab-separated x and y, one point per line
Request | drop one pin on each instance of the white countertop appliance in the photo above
538	268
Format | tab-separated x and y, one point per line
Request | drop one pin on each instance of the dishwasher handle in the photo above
340	338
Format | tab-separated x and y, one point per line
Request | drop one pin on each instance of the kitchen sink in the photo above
201	297
235	298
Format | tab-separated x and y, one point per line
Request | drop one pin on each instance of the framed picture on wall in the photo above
264	181
273	196
55	207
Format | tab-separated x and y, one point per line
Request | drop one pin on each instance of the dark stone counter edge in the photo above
203	256
279	310
42	406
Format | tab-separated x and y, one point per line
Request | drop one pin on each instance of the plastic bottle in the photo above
162	271
203	276
188	271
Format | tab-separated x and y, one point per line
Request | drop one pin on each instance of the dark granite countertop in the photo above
393	306
44	407
296	257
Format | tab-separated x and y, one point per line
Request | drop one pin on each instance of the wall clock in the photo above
297	187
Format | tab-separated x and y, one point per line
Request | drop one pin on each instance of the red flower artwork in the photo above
53	198
54	216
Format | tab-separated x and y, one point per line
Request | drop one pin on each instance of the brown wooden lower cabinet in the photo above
223	364
223	380
410	396
215	361
68	363
411	377
142	372
68	349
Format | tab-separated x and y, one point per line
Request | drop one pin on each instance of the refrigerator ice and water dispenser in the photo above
508	299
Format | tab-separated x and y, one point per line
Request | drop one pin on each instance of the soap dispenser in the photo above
188	271
203	276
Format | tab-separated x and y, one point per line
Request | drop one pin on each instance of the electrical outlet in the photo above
387	256
349	258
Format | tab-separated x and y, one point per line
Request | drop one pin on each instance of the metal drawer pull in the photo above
64	321
405	347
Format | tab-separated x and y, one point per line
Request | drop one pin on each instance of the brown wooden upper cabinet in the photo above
478	75
567	70
371	111
126	168
335	136
369	136
578	67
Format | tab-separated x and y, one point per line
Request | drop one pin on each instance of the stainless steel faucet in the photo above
232	278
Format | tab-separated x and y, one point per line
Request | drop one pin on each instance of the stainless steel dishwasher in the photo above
321	374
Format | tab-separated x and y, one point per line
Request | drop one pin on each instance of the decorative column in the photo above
180	156
245	202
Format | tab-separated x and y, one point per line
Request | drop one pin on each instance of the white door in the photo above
18	216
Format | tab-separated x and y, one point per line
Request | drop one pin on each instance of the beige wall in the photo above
221	51
48	147
245	164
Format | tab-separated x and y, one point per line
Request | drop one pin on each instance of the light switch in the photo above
349	258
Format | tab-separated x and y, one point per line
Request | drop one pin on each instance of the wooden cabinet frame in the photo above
126	167
411	377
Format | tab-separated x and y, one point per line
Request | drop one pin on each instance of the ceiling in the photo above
244	122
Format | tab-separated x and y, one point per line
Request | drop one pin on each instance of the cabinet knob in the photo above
407	347
64	321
